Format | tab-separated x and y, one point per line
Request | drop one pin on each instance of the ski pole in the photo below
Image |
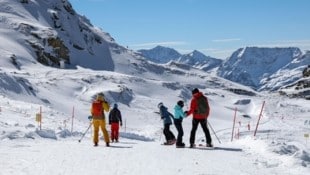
85	132
213	132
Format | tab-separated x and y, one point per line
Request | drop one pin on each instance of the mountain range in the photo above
196	59
54	62
263	69
52	33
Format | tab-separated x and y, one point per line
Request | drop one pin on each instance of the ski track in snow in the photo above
126	157
277	149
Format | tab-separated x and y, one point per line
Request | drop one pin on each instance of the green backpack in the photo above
202	104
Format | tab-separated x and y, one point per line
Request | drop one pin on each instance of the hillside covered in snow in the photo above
51	32
35	35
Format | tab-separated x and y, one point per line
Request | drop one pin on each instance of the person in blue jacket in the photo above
166	117
179	114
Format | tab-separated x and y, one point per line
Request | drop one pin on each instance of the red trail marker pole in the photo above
260	114
232	133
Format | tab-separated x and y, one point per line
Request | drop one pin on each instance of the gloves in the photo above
186	114
90	117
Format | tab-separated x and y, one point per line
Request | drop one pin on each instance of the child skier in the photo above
165	115
178	118
115	119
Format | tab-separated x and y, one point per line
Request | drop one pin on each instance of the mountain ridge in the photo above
261	68
51	32
196	59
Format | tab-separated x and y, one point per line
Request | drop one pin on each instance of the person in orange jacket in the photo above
200	109
97	111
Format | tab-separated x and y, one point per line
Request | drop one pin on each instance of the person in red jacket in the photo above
200	109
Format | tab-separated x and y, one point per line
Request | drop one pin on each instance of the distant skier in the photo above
200	109
179	114
97	110
115	120
166	116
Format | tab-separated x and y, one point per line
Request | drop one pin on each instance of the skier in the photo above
165	115
200	109
97	111
178	118
115	120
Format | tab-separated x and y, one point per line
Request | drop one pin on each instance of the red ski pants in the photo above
114	131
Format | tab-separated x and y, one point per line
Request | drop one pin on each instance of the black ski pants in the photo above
168	134
203	123
179	127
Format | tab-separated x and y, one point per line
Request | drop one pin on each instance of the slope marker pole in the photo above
259	117
234	121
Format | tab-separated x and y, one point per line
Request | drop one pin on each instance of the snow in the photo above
278	148
64	96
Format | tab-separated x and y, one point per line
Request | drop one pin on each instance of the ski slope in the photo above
278	148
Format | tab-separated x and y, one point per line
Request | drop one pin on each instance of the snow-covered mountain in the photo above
296	77
63	98
37	34
51	32
196	59
200	61
160	54
264	68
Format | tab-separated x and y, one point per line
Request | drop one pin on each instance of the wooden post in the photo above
260	114
232	133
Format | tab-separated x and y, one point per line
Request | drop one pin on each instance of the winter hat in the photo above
115	105
180	103
160	104
195	91
100	96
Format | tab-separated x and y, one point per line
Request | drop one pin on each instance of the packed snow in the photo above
63	98
279	147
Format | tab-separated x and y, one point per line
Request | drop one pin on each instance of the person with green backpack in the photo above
200	109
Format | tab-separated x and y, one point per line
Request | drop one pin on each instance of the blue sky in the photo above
214	27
